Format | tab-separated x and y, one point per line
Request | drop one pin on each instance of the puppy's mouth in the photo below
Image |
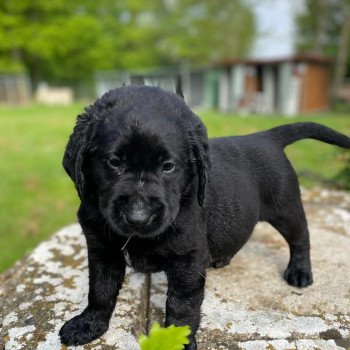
149	228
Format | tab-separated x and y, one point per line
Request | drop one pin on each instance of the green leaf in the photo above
170	338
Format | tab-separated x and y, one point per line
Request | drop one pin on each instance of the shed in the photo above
290	85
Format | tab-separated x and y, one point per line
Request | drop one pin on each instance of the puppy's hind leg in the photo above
291	222
216	264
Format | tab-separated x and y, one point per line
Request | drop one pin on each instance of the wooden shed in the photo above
291	85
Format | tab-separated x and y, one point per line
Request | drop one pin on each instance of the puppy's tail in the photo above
287	134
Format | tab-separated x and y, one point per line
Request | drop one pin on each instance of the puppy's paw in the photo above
83	329
298	277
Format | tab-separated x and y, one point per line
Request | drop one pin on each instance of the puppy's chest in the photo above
145	261
155	255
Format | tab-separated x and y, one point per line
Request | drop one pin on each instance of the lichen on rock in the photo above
51	285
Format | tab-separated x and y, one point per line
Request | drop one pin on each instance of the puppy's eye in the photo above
168	167
114	162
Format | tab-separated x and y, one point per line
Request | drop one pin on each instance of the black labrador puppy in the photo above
153	187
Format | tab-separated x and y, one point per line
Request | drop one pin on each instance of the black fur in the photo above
149	178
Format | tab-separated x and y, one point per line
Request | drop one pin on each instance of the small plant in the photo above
170	338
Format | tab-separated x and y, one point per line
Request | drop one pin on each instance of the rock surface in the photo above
51	286
247	304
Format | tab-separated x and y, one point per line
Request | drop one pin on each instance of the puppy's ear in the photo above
201	157
77	147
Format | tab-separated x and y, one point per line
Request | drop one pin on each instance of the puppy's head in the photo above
141	155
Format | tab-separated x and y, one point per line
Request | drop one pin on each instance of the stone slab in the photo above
248	305
51	286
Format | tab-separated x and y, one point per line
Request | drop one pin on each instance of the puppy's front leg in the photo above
184	298
106	275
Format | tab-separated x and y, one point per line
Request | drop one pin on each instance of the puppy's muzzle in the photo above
138	215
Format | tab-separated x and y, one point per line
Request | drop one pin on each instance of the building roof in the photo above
310	58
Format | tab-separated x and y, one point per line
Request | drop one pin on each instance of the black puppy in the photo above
152	186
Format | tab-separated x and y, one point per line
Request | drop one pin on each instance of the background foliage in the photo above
63	41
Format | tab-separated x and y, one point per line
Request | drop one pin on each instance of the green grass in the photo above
37	197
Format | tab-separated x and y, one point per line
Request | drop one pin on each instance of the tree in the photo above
173	31
200	31
343	55
54	40
66	41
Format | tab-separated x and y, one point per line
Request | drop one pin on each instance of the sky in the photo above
276	27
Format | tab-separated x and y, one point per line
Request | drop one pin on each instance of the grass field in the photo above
37	197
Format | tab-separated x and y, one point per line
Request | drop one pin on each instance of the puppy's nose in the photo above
138	217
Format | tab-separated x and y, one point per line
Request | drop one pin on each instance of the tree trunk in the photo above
343	53
322	18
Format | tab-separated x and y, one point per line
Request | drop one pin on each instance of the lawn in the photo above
37	197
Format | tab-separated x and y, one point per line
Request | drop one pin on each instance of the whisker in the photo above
124	246
202	275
